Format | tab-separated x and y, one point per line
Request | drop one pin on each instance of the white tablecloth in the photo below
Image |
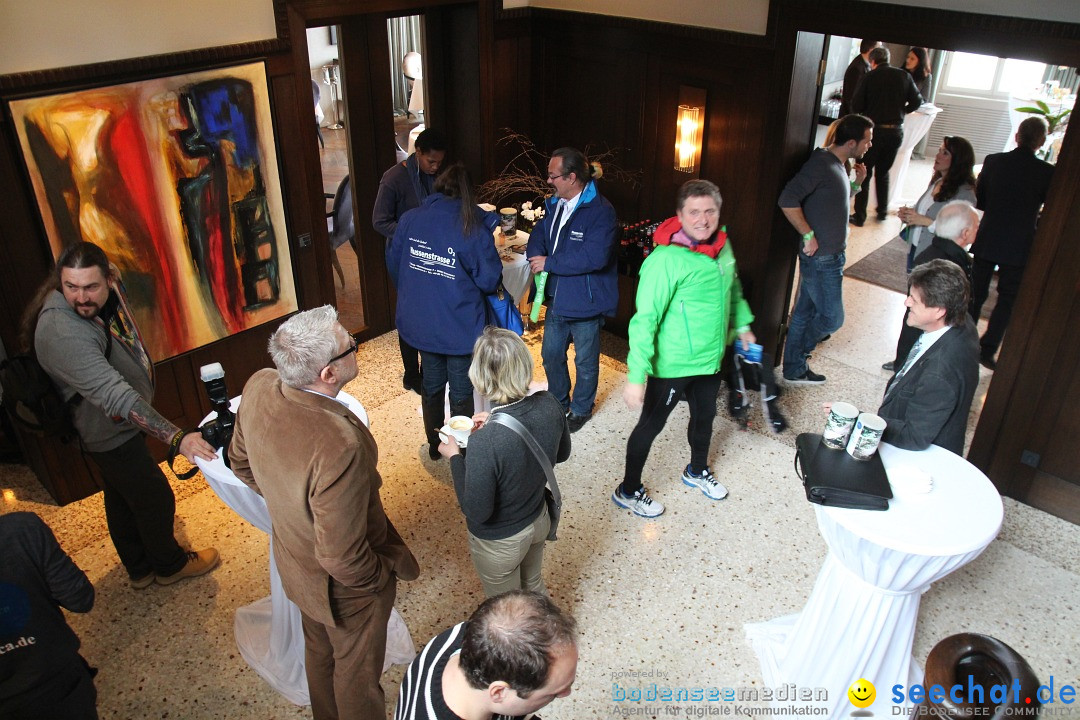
859	622
516	274
916	125
268	632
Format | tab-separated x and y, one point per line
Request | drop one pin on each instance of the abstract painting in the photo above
176	178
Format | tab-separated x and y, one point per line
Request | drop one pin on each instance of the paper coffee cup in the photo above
865	436
838	425
508	221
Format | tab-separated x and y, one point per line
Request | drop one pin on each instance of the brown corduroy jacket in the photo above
314	463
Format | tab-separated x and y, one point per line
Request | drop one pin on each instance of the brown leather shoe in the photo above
199	562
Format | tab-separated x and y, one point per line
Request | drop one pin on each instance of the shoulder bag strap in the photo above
514	424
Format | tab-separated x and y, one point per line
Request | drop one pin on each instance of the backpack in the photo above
32	399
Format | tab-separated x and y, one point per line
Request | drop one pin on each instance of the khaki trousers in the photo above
513	563
344	661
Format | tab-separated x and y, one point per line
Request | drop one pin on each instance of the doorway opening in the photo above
974	96
325	68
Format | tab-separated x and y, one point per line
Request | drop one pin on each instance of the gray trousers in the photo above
513	563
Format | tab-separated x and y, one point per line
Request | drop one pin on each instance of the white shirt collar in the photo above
316	392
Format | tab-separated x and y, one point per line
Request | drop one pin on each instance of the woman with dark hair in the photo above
954	179
500	486
444	262
918	64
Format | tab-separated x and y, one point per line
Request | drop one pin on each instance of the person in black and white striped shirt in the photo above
516	654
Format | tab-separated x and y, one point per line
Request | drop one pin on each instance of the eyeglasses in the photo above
556	177
344	354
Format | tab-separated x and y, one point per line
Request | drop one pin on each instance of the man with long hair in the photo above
86	339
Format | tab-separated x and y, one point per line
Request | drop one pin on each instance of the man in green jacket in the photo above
689	308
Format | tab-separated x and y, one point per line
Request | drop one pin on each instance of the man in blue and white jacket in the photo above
575	245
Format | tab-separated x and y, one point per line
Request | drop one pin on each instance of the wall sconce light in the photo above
689	124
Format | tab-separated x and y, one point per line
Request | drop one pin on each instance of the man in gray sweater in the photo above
815	202
87	341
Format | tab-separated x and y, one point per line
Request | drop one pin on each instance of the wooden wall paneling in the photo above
301	173
61	468
1027	406
25	259
509	85
364	52
594	93
311	262
795	115
331	12
453	83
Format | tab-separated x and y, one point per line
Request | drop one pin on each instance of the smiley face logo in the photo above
862	693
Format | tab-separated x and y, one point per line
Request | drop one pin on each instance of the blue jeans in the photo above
585	333
438	371
818	312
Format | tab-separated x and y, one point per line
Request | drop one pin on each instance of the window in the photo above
972	74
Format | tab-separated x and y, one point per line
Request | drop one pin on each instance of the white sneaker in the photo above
639	503
705	482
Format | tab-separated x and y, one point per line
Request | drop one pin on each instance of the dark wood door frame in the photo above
365	71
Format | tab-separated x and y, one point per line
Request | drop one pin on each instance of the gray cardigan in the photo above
72	351
501	487
923	236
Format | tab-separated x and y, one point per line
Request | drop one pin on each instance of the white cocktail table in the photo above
859	622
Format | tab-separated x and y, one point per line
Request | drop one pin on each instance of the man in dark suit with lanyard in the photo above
927	401
885	95
1011	190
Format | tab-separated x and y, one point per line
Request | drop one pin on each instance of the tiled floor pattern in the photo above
668	596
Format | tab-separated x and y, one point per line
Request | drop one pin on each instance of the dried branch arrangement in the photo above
526	173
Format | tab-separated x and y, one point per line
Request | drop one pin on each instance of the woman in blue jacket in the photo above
444	263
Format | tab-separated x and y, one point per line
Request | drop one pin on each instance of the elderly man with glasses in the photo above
574	245
338	554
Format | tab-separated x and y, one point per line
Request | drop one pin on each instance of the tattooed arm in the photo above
151	422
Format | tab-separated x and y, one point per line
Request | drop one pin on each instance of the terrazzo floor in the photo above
668	597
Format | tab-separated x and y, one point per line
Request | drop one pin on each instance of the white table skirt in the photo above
916	125
859	622
268	632
516	273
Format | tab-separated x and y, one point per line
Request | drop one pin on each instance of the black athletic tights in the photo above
661	396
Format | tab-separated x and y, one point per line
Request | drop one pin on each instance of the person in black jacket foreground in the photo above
42	674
